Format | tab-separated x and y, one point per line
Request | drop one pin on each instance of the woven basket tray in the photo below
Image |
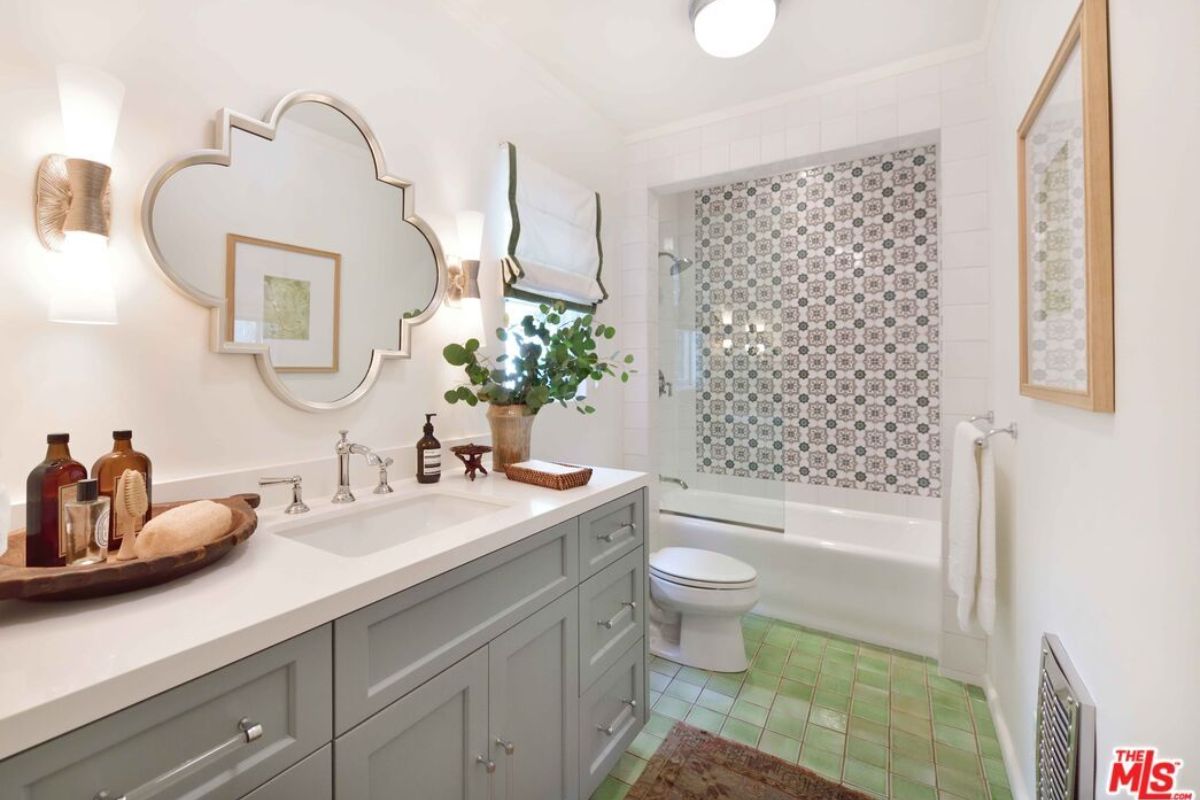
567	480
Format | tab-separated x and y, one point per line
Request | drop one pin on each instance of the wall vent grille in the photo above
1066	728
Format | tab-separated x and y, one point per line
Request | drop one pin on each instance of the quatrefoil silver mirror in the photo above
306	249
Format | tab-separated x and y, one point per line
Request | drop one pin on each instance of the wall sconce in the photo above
464	276
73	207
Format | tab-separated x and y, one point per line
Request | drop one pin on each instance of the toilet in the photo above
697	598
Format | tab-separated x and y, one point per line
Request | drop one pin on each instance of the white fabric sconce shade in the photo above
464	277
73	208
731	28
470	234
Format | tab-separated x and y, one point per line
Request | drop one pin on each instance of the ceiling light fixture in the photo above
731	28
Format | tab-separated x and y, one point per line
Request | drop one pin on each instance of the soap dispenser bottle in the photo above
429	455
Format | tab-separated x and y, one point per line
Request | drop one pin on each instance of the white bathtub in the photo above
873	577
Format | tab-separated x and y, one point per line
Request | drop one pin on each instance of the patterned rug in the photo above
694	765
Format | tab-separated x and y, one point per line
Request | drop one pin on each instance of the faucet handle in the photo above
344	432
384	487
297	505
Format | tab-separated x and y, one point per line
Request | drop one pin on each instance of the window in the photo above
516	310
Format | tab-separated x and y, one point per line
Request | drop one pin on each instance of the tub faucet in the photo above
680	482
345	449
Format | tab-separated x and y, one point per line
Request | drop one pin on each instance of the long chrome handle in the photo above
609	537
489	766
508	747
608	624
247	732
611	728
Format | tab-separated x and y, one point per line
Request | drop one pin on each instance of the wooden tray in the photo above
113	577
549	480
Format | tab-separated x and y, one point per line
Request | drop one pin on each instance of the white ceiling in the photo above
636	62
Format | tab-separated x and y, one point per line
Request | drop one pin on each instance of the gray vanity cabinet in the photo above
432	743
533	699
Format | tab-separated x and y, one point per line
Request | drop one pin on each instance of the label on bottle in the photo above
431	461
65	495
101	533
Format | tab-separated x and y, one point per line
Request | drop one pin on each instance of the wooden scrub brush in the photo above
130	505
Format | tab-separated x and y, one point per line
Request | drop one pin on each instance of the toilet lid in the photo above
704	566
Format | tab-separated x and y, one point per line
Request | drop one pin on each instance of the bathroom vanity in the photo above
466	640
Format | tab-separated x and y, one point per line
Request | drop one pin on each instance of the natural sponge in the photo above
183	528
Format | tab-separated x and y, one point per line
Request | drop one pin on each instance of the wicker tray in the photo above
550	480
113	577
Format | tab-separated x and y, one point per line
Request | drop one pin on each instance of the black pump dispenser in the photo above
429	454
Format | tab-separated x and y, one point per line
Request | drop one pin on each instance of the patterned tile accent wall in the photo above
817	312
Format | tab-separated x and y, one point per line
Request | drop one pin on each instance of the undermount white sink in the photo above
374	529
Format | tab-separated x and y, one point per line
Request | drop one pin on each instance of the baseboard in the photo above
1012	764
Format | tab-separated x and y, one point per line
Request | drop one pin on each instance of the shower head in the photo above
678	264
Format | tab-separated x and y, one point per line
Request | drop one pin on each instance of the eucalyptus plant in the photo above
554	357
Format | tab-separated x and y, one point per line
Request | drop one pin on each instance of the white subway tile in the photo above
714	159
634	307
634	204
635	282
720	132
660	171
804	111
838	132
917	83
968	140
964	396
774	120
774	146
745	152
747	126
658	147
877	124
965	359
877	93
687	166
839	103
967	104
804	140
921	113
685	141
965	212
635	256
965	286
633	176
964	249
637	442
966	323
965	176
970	71
635	153
637	462
637	415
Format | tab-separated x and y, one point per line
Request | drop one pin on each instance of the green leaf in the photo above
502	334
472	345
451	397
624	377
456	355
629	358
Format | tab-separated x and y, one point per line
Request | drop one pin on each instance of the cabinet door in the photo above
534	701
311	779
425	745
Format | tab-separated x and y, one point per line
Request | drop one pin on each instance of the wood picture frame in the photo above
1072	268
329	329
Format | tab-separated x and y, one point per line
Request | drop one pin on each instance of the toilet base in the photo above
710	642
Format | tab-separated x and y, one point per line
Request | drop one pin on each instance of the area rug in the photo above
694	765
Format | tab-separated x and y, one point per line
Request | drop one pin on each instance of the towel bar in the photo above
1010	429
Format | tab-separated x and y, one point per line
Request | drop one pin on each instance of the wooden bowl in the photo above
113	577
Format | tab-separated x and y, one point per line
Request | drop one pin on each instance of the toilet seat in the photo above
701	569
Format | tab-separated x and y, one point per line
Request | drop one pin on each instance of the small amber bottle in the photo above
429	455
51	484
110	466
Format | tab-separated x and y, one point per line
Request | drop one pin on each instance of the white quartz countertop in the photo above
65	664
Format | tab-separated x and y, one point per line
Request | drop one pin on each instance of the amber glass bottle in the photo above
110	466
50	485
429	455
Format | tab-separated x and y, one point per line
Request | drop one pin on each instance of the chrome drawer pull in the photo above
489	766
608	624
508	747
612	535
247	732
611	728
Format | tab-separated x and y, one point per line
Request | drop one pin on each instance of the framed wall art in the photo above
286	297
1064	163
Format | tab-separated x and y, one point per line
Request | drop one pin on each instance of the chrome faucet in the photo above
345	449
680	482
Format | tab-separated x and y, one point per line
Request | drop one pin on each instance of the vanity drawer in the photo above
311	779
610	531
285	690
389	648
610	715
612	609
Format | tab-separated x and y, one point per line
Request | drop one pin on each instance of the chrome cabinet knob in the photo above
508	747
489	766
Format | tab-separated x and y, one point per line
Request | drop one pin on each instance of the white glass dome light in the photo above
731	28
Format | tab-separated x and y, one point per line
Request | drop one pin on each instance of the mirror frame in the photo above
227	121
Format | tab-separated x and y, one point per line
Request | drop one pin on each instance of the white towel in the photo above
964	530
985	599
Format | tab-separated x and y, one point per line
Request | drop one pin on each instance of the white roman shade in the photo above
553	249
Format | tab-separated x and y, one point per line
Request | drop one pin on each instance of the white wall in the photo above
940	100
439	97
1100	513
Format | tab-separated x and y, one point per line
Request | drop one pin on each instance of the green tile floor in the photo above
881	721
